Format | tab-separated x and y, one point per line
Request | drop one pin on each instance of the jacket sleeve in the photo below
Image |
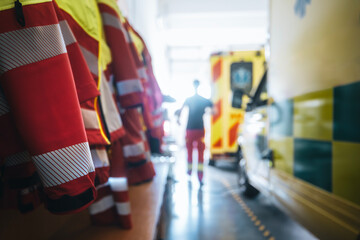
127	81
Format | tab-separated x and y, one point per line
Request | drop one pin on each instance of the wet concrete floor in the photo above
218	210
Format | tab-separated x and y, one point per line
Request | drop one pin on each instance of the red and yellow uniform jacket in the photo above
153	112
130	93
40	116
112	204
126	79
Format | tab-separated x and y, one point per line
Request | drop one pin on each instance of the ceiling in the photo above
190	30
213	22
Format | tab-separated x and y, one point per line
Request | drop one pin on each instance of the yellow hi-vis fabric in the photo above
190	165
87	15
200	167
138	43
84	14
8	4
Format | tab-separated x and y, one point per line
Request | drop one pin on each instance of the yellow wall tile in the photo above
313	115
346	167
283	153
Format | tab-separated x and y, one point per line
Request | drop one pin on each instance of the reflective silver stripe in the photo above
143	136
90	119
100	186
112	21
123	208
64	165
121	110
4	106
28	190
118	184
100	158
157	111
148	156
22	47
142	73
102	205
158	122
17	159
149	92
112	116
134	150
91	60
129	86
111	84
67	34
127	36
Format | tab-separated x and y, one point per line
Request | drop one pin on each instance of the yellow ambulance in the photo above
229	69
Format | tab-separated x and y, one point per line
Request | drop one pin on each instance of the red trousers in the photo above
195	136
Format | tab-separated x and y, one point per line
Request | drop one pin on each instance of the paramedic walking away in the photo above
195	128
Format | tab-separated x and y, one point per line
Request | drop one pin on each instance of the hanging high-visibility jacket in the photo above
155	98
108	98
112	205
135	148
90	109
85	86
21	176
121	196
138	173
45	127
126	79
153	111
133	43
153	93
128	87
85	22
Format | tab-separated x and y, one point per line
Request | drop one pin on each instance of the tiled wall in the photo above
316	138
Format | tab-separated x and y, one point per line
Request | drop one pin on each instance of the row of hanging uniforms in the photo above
72	101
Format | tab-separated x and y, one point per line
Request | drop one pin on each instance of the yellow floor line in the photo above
261	227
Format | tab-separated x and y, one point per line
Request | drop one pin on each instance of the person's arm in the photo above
178	112
214	110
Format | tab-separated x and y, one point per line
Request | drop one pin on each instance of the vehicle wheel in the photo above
243	181
238	158
250	190
212	162
241	173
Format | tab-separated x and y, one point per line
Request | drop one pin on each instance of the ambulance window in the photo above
241	76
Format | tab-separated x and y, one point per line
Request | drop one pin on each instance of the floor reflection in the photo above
210	212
